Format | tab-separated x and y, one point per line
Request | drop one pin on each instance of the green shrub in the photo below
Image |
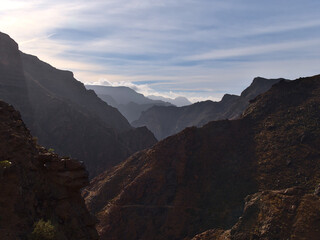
51	150
43	230
5	164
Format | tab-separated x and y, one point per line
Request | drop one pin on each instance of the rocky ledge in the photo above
40	192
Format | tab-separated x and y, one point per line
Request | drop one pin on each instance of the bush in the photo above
5	164
51	150
43	231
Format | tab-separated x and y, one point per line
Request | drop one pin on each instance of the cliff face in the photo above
38	185
287	203
13	86
62	85
290	213
199	179
166	121
63	115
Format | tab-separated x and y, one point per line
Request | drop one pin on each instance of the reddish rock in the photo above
198	179
274	215
30	191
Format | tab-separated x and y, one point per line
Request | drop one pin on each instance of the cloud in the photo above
199	49
144	89
253	50
147	90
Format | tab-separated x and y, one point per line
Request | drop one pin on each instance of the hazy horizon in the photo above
196	49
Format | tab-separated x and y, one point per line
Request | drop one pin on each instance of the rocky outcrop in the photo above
38	185
200	178
279	214
166	121
63	115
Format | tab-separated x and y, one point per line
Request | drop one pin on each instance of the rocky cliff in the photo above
13	87
63	115
264	167
287	203
165	121
291	213
38	186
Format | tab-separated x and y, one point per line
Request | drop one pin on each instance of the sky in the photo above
200	49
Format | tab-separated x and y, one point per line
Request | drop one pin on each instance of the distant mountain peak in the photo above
179	101
163	121
258	86
129	102
227	97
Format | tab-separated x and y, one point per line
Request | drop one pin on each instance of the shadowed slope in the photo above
166	121
36	184
199	178
63	114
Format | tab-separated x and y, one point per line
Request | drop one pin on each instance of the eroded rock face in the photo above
198	179
216	234
279	214
287	166
36	184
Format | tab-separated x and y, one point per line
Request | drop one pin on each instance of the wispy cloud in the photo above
253	50
199	49
148	90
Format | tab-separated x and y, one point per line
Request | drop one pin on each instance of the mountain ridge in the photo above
166	121
126	100
63	114
178	101
199	178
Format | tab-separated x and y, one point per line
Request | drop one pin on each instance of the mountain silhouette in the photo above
130	103
166	121
63	114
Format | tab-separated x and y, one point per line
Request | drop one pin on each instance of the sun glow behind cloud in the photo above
198	49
